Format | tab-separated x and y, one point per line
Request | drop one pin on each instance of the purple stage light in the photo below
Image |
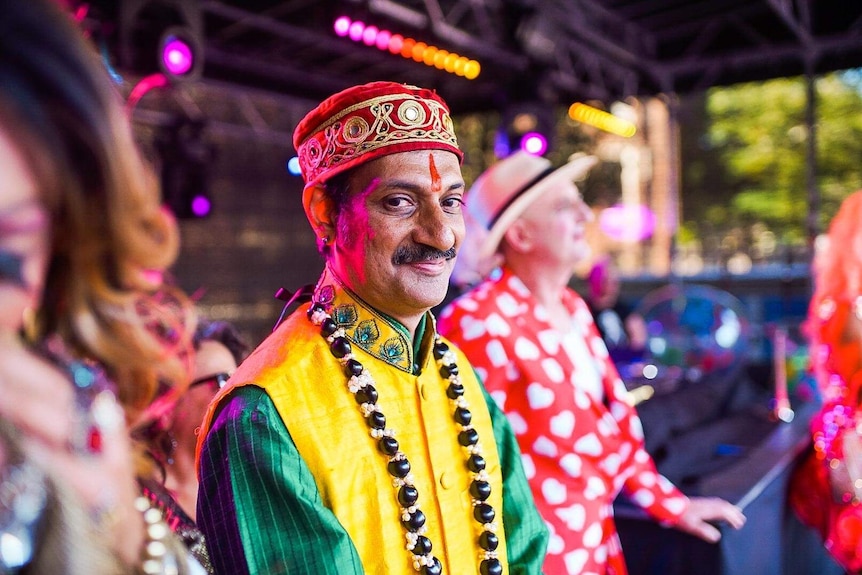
501	145
342	26
177	56
201	206
534	143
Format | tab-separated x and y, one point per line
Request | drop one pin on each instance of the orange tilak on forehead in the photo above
436	182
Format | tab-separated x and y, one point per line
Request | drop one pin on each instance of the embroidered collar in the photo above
378	334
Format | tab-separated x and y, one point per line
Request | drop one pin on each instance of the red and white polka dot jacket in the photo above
580	437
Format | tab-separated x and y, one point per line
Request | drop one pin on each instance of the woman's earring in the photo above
169	446
322	242
29	325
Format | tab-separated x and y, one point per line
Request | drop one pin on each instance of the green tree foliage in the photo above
744	158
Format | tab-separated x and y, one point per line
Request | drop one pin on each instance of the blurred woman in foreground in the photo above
83	337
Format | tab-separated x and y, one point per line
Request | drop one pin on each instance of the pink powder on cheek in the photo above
354	218
354	231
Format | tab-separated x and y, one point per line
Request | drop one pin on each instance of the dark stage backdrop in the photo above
255	240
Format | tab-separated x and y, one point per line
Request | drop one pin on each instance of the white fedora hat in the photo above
498	197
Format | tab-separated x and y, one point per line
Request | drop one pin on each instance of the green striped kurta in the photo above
250	531
266	508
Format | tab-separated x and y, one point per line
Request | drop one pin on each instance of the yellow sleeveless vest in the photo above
309	389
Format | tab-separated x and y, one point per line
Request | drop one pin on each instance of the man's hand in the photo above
703	509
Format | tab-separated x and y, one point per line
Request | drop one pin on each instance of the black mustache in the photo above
421	253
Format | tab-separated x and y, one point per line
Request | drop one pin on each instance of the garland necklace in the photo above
361	385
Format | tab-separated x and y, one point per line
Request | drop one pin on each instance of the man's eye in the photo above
454	202
400	204
396	201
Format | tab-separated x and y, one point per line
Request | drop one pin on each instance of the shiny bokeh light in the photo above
369	35
293	166
534	143
355	31
629	223
650	371
342	26
602	120
383	39
177	55
201	206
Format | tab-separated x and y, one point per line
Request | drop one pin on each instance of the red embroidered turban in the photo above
365	122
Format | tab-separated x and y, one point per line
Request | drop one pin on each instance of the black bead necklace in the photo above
361	385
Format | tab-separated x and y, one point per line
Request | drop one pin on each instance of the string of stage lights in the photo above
523	135
406	47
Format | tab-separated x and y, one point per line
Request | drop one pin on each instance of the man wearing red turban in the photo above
355	439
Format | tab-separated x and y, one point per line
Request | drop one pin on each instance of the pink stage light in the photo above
627	223
383	38
81	12
177	56
369	36
396	43
146	84
356	30
534	143
342	26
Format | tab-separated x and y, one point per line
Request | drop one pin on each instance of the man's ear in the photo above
518	238
320	211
